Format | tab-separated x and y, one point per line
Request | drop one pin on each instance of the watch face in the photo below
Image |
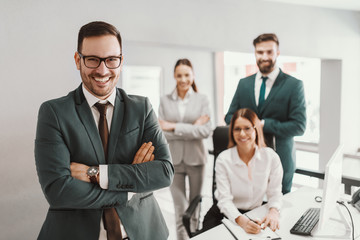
92	171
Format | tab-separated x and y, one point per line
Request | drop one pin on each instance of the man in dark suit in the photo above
98	168
278	100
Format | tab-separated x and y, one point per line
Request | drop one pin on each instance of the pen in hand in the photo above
254	221
251	219
262	228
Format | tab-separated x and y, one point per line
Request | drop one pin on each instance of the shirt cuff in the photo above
103	173
276	205
230	211
177	129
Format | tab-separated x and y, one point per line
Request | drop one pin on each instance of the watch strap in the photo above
93	179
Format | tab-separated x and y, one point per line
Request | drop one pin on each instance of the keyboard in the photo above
306	222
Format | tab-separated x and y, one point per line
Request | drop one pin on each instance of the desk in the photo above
294	205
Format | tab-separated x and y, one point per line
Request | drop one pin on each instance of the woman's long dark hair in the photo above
186	62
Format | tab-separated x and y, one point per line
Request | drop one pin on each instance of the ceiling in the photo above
353	5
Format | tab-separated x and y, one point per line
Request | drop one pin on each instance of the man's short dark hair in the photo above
266	37
95	29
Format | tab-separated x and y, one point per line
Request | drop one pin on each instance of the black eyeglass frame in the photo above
101	60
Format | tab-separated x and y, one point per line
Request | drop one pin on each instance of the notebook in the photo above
239	233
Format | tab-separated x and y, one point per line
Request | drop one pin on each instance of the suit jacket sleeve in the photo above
149	176
296	122
235	105
169	135
52	157
185	130
191	131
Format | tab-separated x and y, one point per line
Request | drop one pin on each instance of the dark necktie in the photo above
262	91
111	218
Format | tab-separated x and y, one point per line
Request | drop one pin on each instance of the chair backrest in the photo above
220	142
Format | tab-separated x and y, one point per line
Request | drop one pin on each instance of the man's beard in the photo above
266	69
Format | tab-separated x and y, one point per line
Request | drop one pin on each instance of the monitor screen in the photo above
332	186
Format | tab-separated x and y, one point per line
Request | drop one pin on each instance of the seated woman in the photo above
245	173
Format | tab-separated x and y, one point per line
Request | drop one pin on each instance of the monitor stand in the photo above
335	228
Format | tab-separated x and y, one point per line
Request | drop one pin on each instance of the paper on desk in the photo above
240	234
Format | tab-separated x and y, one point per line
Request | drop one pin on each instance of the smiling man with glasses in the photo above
98	146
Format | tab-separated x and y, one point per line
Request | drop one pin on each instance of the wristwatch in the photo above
92	174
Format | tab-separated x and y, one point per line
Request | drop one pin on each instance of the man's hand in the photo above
78	171
271	220
248	225
144	154
202	120
167	126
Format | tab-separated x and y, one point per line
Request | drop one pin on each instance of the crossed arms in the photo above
144	154
61	141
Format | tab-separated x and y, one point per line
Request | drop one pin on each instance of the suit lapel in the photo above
116	124
86	117
252	92
174	115
175	108
274	90
250	89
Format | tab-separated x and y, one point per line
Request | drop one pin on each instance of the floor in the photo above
165	201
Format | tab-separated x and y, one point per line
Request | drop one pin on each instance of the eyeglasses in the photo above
247	130
94	62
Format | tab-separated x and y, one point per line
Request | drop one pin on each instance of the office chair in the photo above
220	141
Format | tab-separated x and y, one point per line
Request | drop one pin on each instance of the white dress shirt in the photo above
92	100
269	83
182	103
103	169
241	186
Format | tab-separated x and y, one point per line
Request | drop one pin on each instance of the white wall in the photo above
38	40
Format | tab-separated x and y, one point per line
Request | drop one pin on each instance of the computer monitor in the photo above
332	191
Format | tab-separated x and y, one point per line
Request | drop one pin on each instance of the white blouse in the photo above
182	103
243	187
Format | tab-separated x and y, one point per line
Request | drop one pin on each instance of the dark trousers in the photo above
214	217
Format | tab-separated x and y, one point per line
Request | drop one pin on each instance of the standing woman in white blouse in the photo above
184	116
245	173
